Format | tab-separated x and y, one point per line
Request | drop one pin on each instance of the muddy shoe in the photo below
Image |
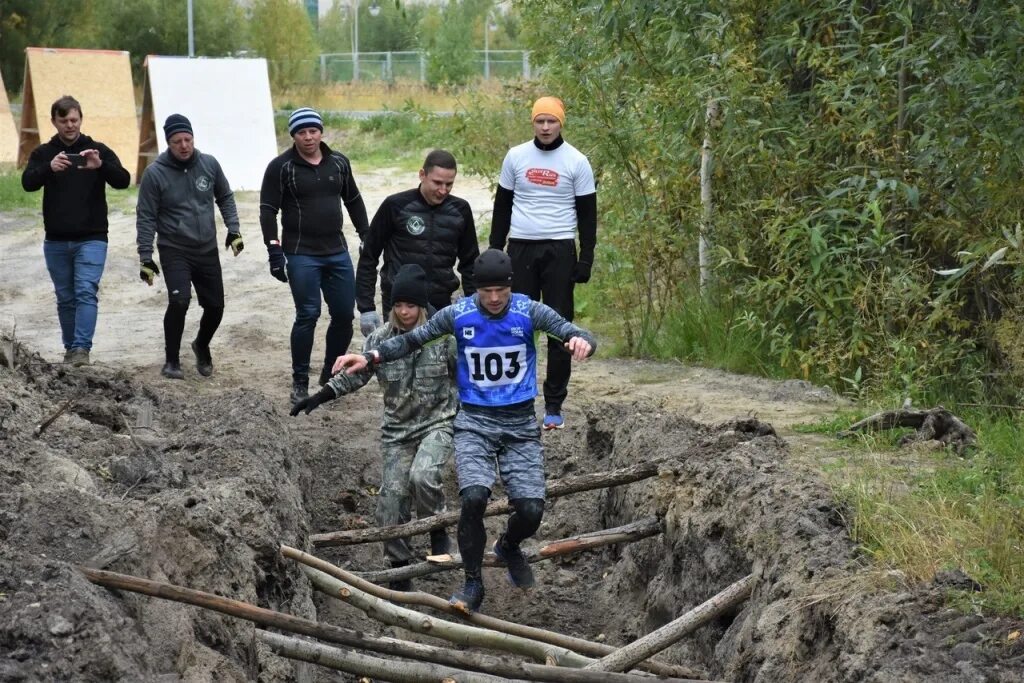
439	542
79	357
300	389
204	362
404	585
172	370
67	355
469	599
519	572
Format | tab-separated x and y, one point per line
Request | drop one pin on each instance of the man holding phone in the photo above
73	170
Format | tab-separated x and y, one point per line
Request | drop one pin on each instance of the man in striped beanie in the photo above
307	184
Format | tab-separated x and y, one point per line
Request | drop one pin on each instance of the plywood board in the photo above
101	80
8	131
228	102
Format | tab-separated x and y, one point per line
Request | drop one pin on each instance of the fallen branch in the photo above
937	424
365	665
627	657
628	533
580	645
306	627
41	427
416	622
556	489
391	670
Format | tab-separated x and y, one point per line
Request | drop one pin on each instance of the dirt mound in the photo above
201	498
197	482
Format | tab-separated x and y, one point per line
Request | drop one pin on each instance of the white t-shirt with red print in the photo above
546	184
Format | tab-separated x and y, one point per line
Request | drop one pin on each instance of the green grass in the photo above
12	196
924	512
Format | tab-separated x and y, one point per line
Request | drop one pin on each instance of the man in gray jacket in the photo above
176	198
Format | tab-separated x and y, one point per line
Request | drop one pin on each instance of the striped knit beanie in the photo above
304	118
176	123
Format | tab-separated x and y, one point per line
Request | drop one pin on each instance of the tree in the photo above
40	23
282	33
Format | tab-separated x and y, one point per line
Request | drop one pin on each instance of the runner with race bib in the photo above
497	425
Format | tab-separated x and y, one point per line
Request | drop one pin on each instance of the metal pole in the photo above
487	48
191	33
355	40
323	68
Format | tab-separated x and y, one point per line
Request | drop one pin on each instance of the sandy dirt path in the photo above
251	347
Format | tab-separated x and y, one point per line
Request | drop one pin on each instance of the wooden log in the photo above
628	656
463	634
634	531
392	670
365	665
555	489
293	624
580	645
936	424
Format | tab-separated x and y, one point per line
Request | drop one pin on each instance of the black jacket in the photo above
309	198
74	200
408	230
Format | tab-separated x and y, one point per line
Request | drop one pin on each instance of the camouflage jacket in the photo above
419	389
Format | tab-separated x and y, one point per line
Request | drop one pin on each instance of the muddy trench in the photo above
202	494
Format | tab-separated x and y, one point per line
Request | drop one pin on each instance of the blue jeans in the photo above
308	276
76	269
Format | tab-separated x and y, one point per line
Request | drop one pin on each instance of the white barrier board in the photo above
228	102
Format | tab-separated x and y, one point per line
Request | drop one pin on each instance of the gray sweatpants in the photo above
508	439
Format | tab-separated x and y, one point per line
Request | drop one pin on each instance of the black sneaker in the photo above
519	572
440	544
300	389
469	599
172	370
204	362
404	585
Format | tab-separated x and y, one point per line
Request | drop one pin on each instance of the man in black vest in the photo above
427	226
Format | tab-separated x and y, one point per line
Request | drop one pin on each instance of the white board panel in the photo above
228	102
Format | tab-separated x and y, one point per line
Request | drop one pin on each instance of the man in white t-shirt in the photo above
546	197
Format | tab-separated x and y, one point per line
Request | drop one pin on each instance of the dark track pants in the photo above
542	270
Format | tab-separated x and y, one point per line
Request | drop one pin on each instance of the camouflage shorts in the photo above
506	439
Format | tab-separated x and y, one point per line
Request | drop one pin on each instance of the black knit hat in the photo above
410	286
493	268
176	123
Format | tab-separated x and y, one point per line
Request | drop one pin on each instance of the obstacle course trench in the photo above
219	499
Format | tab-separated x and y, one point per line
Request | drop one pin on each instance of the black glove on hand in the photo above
234	243
148	270
277	262
310	403
581	272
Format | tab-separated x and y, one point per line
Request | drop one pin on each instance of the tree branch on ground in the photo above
580	645
555	489
628	656
937	424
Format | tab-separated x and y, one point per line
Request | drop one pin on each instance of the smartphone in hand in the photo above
77	160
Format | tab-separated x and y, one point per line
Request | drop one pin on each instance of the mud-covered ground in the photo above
203	496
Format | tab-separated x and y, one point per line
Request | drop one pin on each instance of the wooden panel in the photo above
101	80
8	131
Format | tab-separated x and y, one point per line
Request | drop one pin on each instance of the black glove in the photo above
234	243
148	270
277	262
581	272
310	403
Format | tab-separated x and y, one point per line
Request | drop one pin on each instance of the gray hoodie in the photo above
176	203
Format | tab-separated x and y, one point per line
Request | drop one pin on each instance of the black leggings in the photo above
183	270
522	523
